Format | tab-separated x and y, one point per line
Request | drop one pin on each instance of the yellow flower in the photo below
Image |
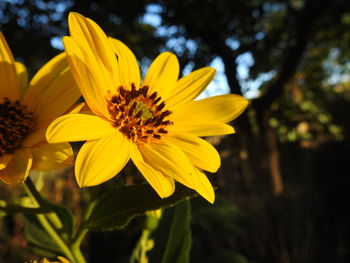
44	260
25	114
155	122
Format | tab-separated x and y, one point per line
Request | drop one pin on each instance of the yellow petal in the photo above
163	185
201	128
201	153
52	91
189	87
35	137
54	66
204	187
100	160
93	85
222	108
78	127
90	36
163	74
52	156
63	260
79	107
171	161
97	51
4	160
18	168
129	69
8	76
22	76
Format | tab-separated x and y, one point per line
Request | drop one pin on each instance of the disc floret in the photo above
138	115
15	124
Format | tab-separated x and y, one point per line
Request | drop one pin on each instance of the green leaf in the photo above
115	208
38	238
172	238
179	242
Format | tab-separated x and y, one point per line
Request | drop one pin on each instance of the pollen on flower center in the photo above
139	115
15	123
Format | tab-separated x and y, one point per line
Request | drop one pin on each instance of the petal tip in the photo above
211	71
79	180
209	196
74	15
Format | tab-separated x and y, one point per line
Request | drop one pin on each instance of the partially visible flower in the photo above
44	260
152	219
155	122
25	114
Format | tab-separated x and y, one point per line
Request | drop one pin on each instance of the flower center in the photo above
138	115
15	123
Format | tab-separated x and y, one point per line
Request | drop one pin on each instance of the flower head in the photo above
26	111
155	122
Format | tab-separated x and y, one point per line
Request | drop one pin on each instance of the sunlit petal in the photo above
92	84
172	162
79	107
51	92
162	75
222	108
202	128
63	260
8	75
205	187
22	77
100	160
162	184
201	153
90	36
129	69
78	127
189	87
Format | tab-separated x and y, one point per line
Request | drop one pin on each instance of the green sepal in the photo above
115	208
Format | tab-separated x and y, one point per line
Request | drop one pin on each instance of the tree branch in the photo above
305	22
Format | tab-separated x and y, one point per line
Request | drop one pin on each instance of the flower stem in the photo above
38	201
143	245
21	209
83	230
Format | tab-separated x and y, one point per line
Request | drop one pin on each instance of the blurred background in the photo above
284	178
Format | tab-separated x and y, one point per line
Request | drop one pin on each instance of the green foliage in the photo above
214	227
179	241
300	116
38	238
115	208
173	237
